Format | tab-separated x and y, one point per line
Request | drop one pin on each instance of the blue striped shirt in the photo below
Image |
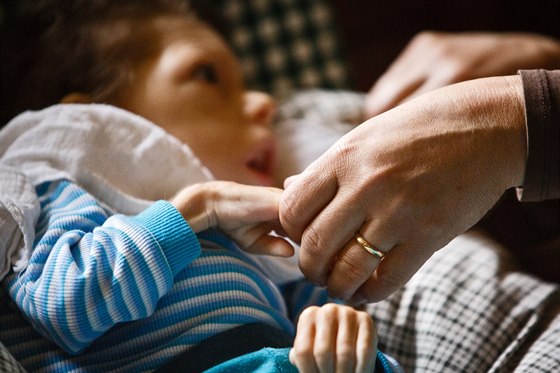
108	292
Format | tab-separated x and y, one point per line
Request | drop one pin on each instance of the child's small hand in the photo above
334	338
246	213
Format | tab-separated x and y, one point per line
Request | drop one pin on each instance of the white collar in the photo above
124	160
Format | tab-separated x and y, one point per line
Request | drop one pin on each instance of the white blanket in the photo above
122	159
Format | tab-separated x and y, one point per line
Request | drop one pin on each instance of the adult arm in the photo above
435	59
409	180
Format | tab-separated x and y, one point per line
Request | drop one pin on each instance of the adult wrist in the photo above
518	142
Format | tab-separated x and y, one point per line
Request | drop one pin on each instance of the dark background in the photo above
375	31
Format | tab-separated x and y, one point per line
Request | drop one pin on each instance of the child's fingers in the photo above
346	340
271	245
325	338
236	205
366	344
301	355
334	338
257	239
303	364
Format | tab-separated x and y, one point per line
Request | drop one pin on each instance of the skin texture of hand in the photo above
334	338
246	213
409	180
433	60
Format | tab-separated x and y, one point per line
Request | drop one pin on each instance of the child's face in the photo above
193	88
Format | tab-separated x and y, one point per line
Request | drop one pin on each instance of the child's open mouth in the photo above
261	162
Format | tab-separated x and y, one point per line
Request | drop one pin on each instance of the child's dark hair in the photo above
54	47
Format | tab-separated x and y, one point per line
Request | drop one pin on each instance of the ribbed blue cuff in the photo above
176	238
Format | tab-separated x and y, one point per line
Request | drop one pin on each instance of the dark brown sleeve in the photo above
542	112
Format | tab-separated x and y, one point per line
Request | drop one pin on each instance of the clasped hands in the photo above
403	183
407	181
330	338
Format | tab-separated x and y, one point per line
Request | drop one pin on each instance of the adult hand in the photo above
409	180
246	213
433	59
334	338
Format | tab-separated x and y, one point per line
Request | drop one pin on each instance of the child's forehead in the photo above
184	27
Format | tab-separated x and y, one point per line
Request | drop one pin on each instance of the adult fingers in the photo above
389	91
352	267
447	73
304	197
324	206
329	231
331	255
391	274
408	72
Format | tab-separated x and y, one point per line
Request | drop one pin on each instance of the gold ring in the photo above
369	247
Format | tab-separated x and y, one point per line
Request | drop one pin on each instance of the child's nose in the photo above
259	108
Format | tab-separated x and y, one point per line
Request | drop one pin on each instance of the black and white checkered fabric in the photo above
468	310
286	45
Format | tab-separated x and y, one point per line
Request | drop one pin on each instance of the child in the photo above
118	278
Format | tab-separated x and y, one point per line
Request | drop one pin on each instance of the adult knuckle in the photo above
288	210
353	267
312	239
349	273
312	255
390	279
287	205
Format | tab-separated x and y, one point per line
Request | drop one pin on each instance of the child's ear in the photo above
76	98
